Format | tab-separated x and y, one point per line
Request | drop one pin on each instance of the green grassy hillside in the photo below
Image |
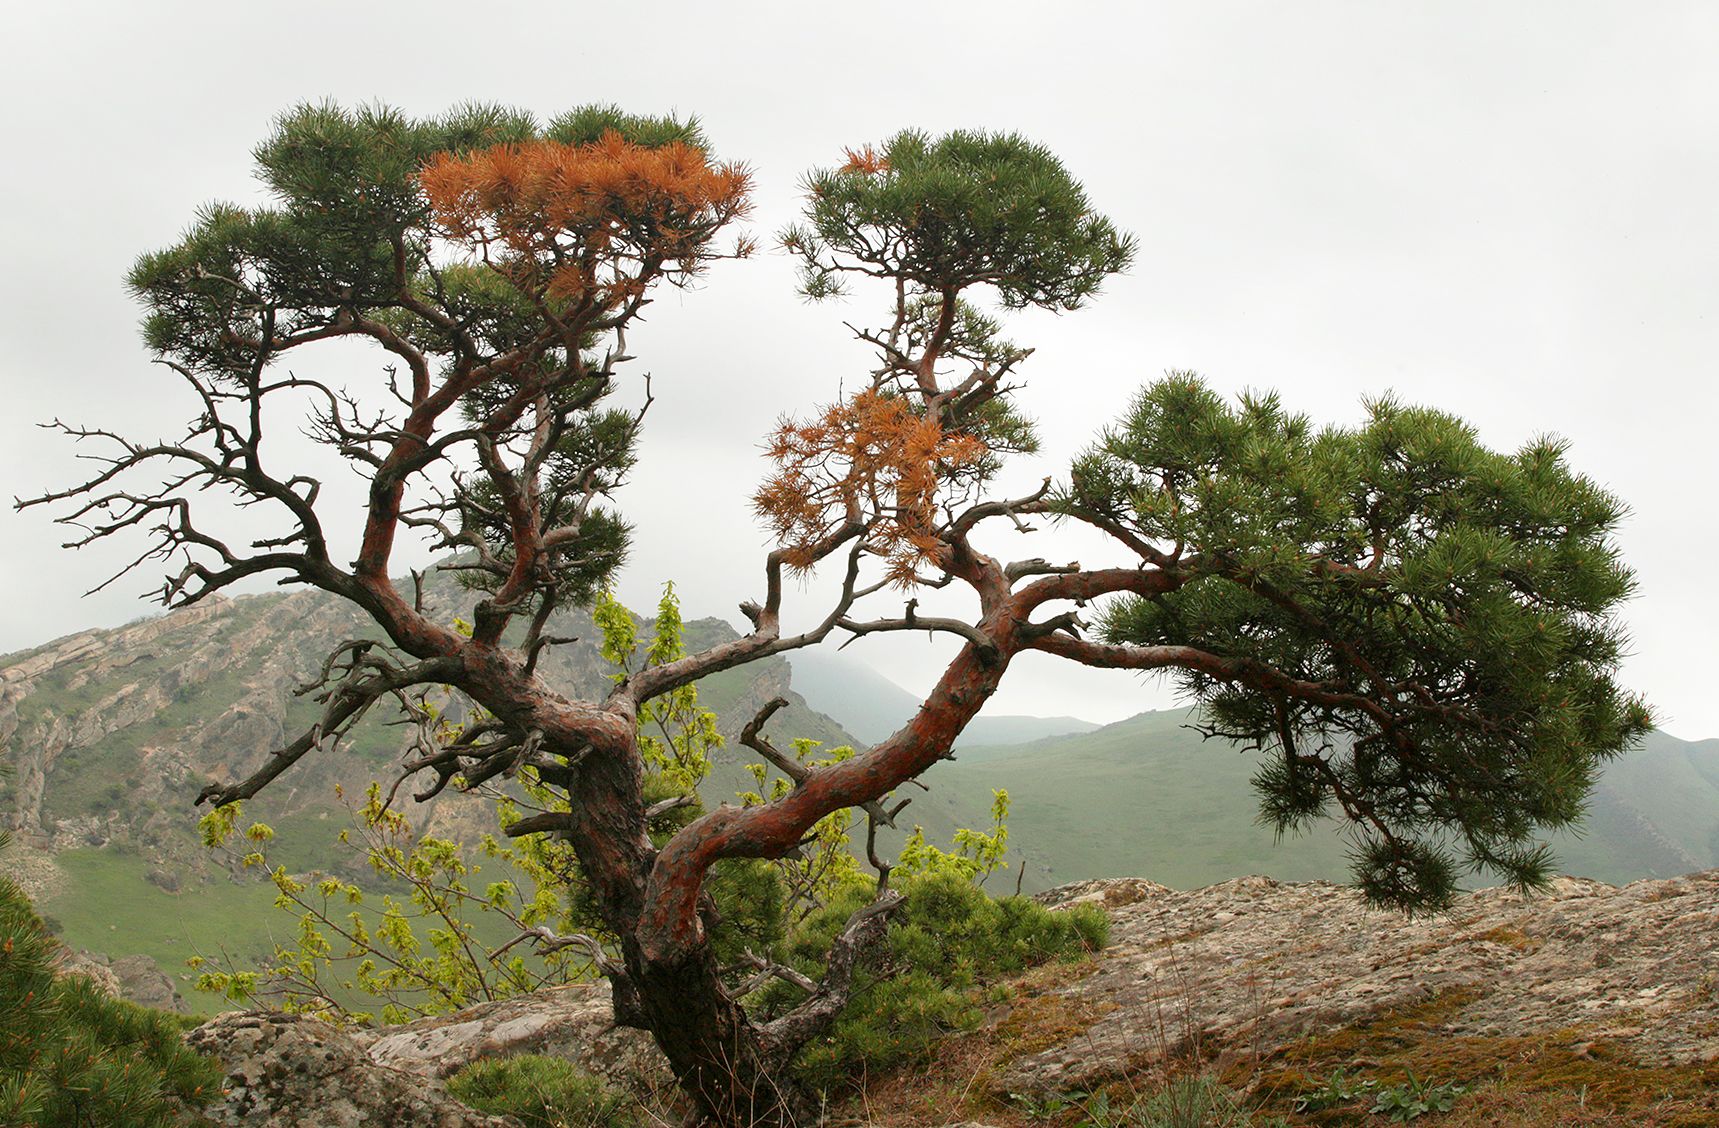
1147	797
1674	784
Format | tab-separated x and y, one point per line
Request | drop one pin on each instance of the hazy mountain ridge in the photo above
207	691
872	707
1149	797
112	733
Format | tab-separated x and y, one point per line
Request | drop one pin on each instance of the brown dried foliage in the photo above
585	223
871	458
867	160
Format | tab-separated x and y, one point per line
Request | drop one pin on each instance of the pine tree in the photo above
1419	627
1424	629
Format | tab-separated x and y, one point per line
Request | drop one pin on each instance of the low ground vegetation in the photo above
948	946
544	1092
70	1055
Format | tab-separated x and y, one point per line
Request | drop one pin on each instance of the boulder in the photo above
289	1071
136	979
92	966
576	1023
142	981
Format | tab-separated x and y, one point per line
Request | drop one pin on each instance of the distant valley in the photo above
1148	797
871	706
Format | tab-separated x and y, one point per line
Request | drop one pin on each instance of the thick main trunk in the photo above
724	1063
722	1060
734	1070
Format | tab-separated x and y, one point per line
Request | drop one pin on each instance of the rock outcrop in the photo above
1251	965
137	979
287	1071
576	1023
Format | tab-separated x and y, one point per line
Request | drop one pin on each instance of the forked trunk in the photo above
727	1066
735	1071
724	1063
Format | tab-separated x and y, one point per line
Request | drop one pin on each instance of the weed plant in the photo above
542	1092
947	943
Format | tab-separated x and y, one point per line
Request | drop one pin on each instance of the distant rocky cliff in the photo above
112	733
143	710
108	729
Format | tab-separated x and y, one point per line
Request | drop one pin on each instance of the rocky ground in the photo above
290	1072
1614	991
1252	966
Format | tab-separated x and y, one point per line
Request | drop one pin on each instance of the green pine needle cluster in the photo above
962	210
1423	627
347	235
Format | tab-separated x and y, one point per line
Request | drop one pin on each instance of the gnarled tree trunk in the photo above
728	1066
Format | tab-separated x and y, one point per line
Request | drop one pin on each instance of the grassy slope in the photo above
1676	783
107	906
1148	798
1141	798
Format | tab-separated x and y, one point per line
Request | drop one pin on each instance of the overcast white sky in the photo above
1508	211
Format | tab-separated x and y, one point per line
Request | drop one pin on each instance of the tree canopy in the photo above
1434	617
948	214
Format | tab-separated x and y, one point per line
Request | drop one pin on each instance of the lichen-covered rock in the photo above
1107	892
1251	965
143	982
136	979
287	1071
576	1023
91	966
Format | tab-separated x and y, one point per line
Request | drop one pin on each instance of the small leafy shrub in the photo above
1340	1089
1402	1103
72	1056
542	1092
1415	1098
948	940
1058	1106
